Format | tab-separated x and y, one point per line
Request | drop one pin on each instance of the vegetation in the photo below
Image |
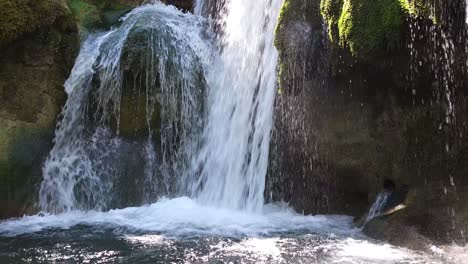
21	17
97	14
367	28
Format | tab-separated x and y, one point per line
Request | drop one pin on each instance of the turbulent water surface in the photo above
182	231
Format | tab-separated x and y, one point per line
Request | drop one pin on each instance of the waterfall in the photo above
143	79
198	7
232	164
378	206
159	107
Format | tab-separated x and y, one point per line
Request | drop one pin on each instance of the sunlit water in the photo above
182	231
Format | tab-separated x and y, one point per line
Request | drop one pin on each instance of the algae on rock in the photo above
367	28
92	14
39	41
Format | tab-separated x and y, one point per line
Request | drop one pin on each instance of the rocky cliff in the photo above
39	41
38	44
372	93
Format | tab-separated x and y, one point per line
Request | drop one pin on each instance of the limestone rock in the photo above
39	41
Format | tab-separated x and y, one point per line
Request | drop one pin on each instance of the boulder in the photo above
38	44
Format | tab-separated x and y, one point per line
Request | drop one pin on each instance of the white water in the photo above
226	165
184	216
271	236
83	168
198	7
378	206
233	162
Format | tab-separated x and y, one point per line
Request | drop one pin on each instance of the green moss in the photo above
283	18
422	8
367	28
331	11
293	11
85	13
21	17
99	14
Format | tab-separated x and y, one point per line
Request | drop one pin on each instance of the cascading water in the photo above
152	64
138	62
378	206
232	164
139	59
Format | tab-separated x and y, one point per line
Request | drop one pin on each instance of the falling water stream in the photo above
197	167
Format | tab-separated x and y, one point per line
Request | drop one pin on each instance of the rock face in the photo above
186	5
99	14
95	14
358	106
38	44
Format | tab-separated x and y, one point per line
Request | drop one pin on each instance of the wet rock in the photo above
349	120
390	229
39	41
95	14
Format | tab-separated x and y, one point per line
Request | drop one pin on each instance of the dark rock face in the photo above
38	47
391	229
186	5
346	122
296	173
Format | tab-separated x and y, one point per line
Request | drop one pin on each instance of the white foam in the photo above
183	216
359	249
267	236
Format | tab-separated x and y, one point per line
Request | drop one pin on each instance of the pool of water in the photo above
182	231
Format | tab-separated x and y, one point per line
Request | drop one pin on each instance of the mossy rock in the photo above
37	55
23	147
293	11
93	14
102	14
366	28
21	17
423	8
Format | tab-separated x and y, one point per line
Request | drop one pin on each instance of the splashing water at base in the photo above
152	63
181	230
231	167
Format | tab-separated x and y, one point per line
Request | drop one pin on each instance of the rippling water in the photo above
182	231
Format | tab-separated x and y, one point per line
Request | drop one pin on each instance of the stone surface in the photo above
97	14
346	122
36	57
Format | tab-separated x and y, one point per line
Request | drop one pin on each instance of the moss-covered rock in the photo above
101	14
36	59
20	17
371	110
94	14
422	8
366	28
